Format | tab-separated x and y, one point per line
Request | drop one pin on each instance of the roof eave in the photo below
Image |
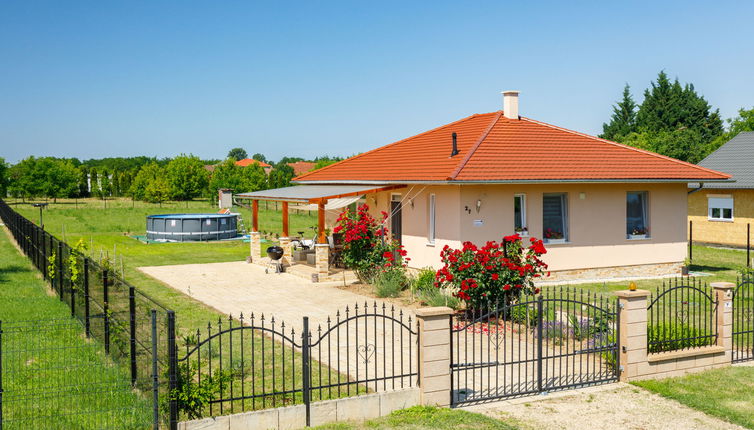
515	181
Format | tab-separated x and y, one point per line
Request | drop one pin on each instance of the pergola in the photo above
318	195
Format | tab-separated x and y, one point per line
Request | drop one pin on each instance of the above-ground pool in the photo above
191	227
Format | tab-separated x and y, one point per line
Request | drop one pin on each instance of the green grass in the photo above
426	418
40	358
720	263
724	393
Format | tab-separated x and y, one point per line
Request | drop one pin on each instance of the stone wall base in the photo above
679	363
294	417
637	271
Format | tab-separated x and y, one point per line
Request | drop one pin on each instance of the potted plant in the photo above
522	231
638	233
553	236
685	267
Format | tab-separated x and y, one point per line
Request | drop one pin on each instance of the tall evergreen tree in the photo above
623	120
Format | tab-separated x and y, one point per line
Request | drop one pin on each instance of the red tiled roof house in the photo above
603	209
249	161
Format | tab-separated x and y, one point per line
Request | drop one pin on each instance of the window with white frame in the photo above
555	217
637	214
519	214
431	220
720	208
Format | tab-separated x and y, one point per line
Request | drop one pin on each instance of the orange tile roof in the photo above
497	149
249	161
300	167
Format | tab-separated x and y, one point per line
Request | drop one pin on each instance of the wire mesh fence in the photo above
131	326
53	377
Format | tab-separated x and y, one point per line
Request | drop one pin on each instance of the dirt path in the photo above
615	406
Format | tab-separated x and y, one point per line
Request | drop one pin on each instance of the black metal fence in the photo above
743	319
682	314
562	338
52	377
111	310
258	362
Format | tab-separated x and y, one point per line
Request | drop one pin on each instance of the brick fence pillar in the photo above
322	259
285	243
434	355
255	246
724	296
633	332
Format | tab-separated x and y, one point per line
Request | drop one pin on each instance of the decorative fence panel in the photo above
561	339
682	314
257	362
743	319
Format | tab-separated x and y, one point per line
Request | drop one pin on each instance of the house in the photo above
721	212
249	161
301	167
603	209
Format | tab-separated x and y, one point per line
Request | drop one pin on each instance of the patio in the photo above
322	265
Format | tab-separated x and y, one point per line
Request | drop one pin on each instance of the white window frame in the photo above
646	235
524	226
431	218
566	219
721	203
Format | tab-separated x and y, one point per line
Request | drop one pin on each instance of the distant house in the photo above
603	209
249	161
720	212
301	167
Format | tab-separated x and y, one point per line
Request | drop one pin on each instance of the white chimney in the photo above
510	104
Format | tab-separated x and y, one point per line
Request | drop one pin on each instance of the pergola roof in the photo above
314	193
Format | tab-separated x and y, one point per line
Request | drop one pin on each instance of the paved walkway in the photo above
614	406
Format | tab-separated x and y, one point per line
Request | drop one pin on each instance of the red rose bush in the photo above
498	272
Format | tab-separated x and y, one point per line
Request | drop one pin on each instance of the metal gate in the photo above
743	319
561	339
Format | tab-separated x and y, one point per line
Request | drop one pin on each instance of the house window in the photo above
431	221
637	219
555	217
519	214
720	208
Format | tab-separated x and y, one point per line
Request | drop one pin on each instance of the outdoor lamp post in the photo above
40	206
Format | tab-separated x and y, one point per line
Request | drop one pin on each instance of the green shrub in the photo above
439	297
671	337
193	396
425	280
390	283
523	314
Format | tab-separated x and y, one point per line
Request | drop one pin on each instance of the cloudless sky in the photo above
123	78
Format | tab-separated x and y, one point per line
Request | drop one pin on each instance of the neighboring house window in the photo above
637	219
720	208
519	214
431	221
555	217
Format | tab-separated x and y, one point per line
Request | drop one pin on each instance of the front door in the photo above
396	222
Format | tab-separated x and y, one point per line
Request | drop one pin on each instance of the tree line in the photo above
673	120
184	177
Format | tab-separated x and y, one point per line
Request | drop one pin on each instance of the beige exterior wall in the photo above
596	214
732	233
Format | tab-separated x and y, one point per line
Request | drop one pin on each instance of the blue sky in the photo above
94	79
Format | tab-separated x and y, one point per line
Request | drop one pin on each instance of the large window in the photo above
431	220
637	221
519	214
720	208
555	217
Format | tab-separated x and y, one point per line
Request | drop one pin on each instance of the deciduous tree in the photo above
238	154
187	177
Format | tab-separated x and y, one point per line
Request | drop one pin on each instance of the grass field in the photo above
53	377
725	393
426	418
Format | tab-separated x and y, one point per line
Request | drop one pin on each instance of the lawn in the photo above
45	352
426	418
725	393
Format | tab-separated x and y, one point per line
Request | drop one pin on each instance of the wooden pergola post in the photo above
255	239
322	238
285	240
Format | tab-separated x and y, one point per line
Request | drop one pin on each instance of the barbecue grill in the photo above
276	254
